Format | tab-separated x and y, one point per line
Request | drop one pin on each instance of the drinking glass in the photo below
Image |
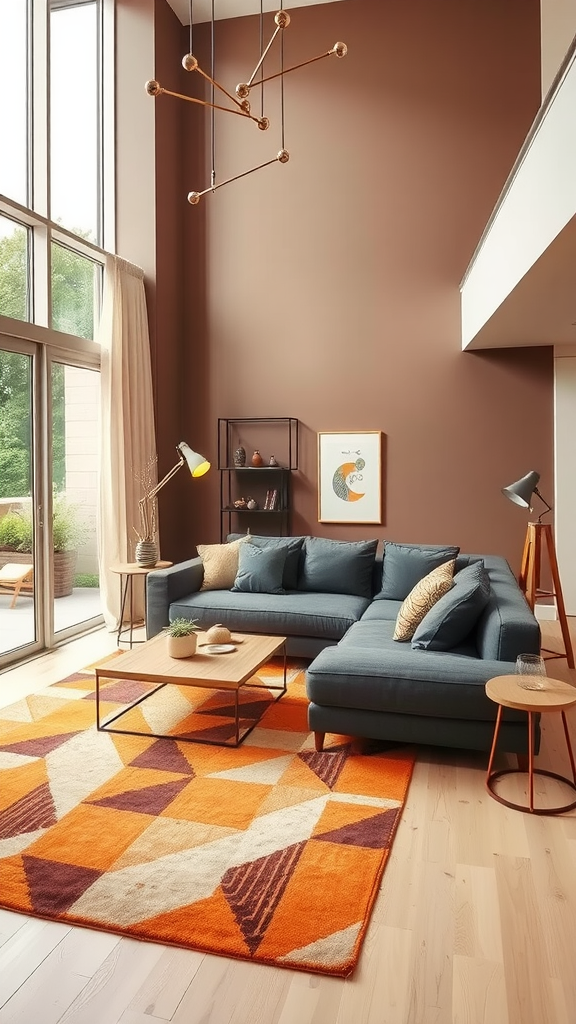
532	669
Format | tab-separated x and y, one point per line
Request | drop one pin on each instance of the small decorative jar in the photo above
146	554
273	461
240	457
252	504
257	459
218	634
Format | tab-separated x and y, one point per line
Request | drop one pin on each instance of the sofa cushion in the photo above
220	564
454	616
337	566
327	616
260	570
421	599
292	546
404	565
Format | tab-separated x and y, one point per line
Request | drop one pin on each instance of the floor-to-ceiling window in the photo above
52	179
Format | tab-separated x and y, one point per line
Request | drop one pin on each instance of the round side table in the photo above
127	571
556	696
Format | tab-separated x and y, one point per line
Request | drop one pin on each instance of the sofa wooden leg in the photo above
319	741
522	762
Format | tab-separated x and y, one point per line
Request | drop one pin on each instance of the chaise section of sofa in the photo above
372	685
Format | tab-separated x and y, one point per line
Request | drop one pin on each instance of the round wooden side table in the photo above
127	571
556	696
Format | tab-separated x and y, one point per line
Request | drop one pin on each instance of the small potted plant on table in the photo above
182	638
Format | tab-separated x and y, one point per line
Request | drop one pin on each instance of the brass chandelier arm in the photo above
311	60
221	87
204	103
263	57
281	158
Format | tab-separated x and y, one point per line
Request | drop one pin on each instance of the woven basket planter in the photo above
64	568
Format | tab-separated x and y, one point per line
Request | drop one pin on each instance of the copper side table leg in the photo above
569	745
530	761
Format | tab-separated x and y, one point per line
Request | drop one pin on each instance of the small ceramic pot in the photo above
240	457
257	459
146	553
182	646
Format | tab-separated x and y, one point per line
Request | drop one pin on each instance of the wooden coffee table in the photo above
556	696
151	663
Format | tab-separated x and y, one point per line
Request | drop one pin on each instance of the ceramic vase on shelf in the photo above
240	457
257	459
146	554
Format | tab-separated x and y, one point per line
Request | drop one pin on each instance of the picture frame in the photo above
350	477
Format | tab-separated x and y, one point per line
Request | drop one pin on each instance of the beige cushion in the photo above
422	598
220	562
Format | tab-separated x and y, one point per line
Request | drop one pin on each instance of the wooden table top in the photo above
555	696
152	663
133	569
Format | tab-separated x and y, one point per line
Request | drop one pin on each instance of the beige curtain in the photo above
128	443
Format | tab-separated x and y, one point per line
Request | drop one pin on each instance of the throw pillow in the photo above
337	566
405	564
454	616
220	563
260	570
292	546
421	599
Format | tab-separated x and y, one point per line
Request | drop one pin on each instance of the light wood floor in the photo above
475	922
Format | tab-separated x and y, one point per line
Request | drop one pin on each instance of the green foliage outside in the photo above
73	312
87	579
68	527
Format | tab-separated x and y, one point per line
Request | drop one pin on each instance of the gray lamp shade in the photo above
521	491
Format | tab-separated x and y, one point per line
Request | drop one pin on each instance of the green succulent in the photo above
183	627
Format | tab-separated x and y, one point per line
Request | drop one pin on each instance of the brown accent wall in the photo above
327	288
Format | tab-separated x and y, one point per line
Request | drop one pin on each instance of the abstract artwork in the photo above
349	477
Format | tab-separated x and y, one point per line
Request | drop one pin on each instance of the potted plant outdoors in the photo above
182	638
68	532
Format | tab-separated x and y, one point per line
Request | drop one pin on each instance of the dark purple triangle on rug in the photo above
33	811
373	833
40	745
327	766
254	890
219	733
55	887
148	800
121	691
164	755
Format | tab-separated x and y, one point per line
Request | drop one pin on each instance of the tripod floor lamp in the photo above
539	535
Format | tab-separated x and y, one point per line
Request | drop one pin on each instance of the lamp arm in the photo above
548	507
164	480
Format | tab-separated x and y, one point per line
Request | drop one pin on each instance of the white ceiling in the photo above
202	9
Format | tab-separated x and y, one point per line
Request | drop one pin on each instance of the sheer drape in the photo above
128	444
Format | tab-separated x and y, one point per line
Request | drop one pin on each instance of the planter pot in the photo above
146	553
64	568
182	646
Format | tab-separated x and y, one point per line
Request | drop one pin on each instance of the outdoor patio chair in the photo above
15	578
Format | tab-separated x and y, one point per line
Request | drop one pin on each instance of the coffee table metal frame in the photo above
555	697
114	671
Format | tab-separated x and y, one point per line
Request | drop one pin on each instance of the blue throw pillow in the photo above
337	566
454	616
292	547
260	570
404	565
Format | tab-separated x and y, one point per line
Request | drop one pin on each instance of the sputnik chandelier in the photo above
241	101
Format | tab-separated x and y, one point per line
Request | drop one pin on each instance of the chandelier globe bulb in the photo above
263	123
189	62
340	49
282	19
153	88
193	198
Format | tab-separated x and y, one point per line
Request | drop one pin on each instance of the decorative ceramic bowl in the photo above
218	634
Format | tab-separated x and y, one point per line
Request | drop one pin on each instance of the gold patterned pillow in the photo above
421	599
220	563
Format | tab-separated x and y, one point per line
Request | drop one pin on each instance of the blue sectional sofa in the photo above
360	680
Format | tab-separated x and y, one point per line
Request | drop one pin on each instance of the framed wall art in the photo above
350	477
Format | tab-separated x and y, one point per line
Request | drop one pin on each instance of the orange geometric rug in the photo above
269	852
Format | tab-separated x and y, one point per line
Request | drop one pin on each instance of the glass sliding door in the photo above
18	567
75	466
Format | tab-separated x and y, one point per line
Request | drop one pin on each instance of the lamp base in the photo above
146	553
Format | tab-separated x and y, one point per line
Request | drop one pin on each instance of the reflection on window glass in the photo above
13	269
74	280
13	108
74	118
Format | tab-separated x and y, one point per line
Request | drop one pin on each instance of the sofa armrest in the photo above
163	586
